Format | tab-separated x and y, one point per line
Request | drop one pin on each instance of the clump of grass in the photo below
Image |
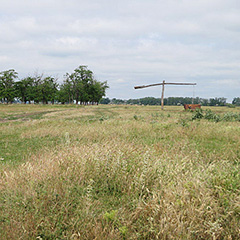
230	116
183	122
231	105
211	116
198	114
135	117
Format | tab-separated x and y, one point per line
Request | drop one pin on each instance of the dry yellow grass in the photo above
123	172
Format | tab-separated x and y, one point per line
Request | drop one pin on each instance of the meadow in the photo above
119	172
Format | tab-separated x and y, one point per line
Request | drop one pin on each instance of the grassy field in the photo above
119	172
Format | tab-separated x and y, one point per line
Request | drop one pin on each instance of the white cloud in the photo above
127	42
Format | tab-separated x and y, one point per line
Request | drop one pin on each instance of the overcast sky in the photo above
127	43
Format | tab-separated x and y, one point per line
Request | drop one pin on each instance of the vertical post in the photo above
193	95
162	102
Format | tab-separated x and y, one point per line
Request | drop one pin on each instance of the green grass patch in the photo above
118	172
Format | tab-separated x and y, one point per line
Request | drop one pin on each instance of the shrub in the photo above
230	105
209	115
230	116
135	117
198	114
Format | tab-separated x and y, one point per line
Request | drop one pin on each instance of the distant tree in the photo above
204	102
236	101
67	88
149	101
97	90
217	101
48	88
105	101
132	101
117	101
83	87
80	80
24	89
222	101
7	85
64	94
176	101
196	100
36	90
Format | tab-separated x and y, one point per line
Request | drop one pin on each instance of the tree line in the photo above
77	87
172	101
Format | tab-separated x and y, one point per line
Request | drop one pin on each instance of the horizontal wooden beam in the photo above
157	84
181	83
151	85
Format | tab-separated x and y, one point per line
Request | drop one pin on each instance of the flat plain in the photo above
119	172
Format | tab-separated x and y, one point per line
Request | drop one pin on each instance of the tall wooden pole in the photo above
162	100
193	95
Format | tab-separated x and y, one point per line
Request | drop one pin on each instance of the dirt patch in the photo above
25	116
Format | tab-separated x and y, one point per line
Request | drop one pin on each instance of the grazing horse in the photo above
191	106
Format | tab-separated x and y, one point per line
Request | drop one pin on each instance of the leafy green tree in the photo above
83	87
130	101
48	88
236	101
63	95
97	90
204	102
149	101
7	85
36	90
67	88
79	80
117	101
217	101
222	101
105	101
24	89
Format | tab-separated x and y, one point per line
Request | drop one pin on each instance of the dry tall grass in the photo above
123	173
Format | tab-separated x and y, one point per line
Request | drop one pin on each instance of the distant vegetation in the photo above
79	86
173	101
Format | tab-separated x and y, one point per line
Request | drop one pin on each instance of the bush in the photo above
198	114
230	116
209	115
230	105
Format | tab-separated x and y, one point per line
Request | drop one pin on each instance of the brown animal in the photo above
191	106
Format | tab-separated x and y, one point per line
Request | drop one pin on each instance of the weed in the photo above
209	115
123	230
183	122
230	116
110	216
198	114
135	117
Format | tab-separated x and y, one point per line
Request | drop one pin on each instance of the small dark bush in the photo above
198	114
